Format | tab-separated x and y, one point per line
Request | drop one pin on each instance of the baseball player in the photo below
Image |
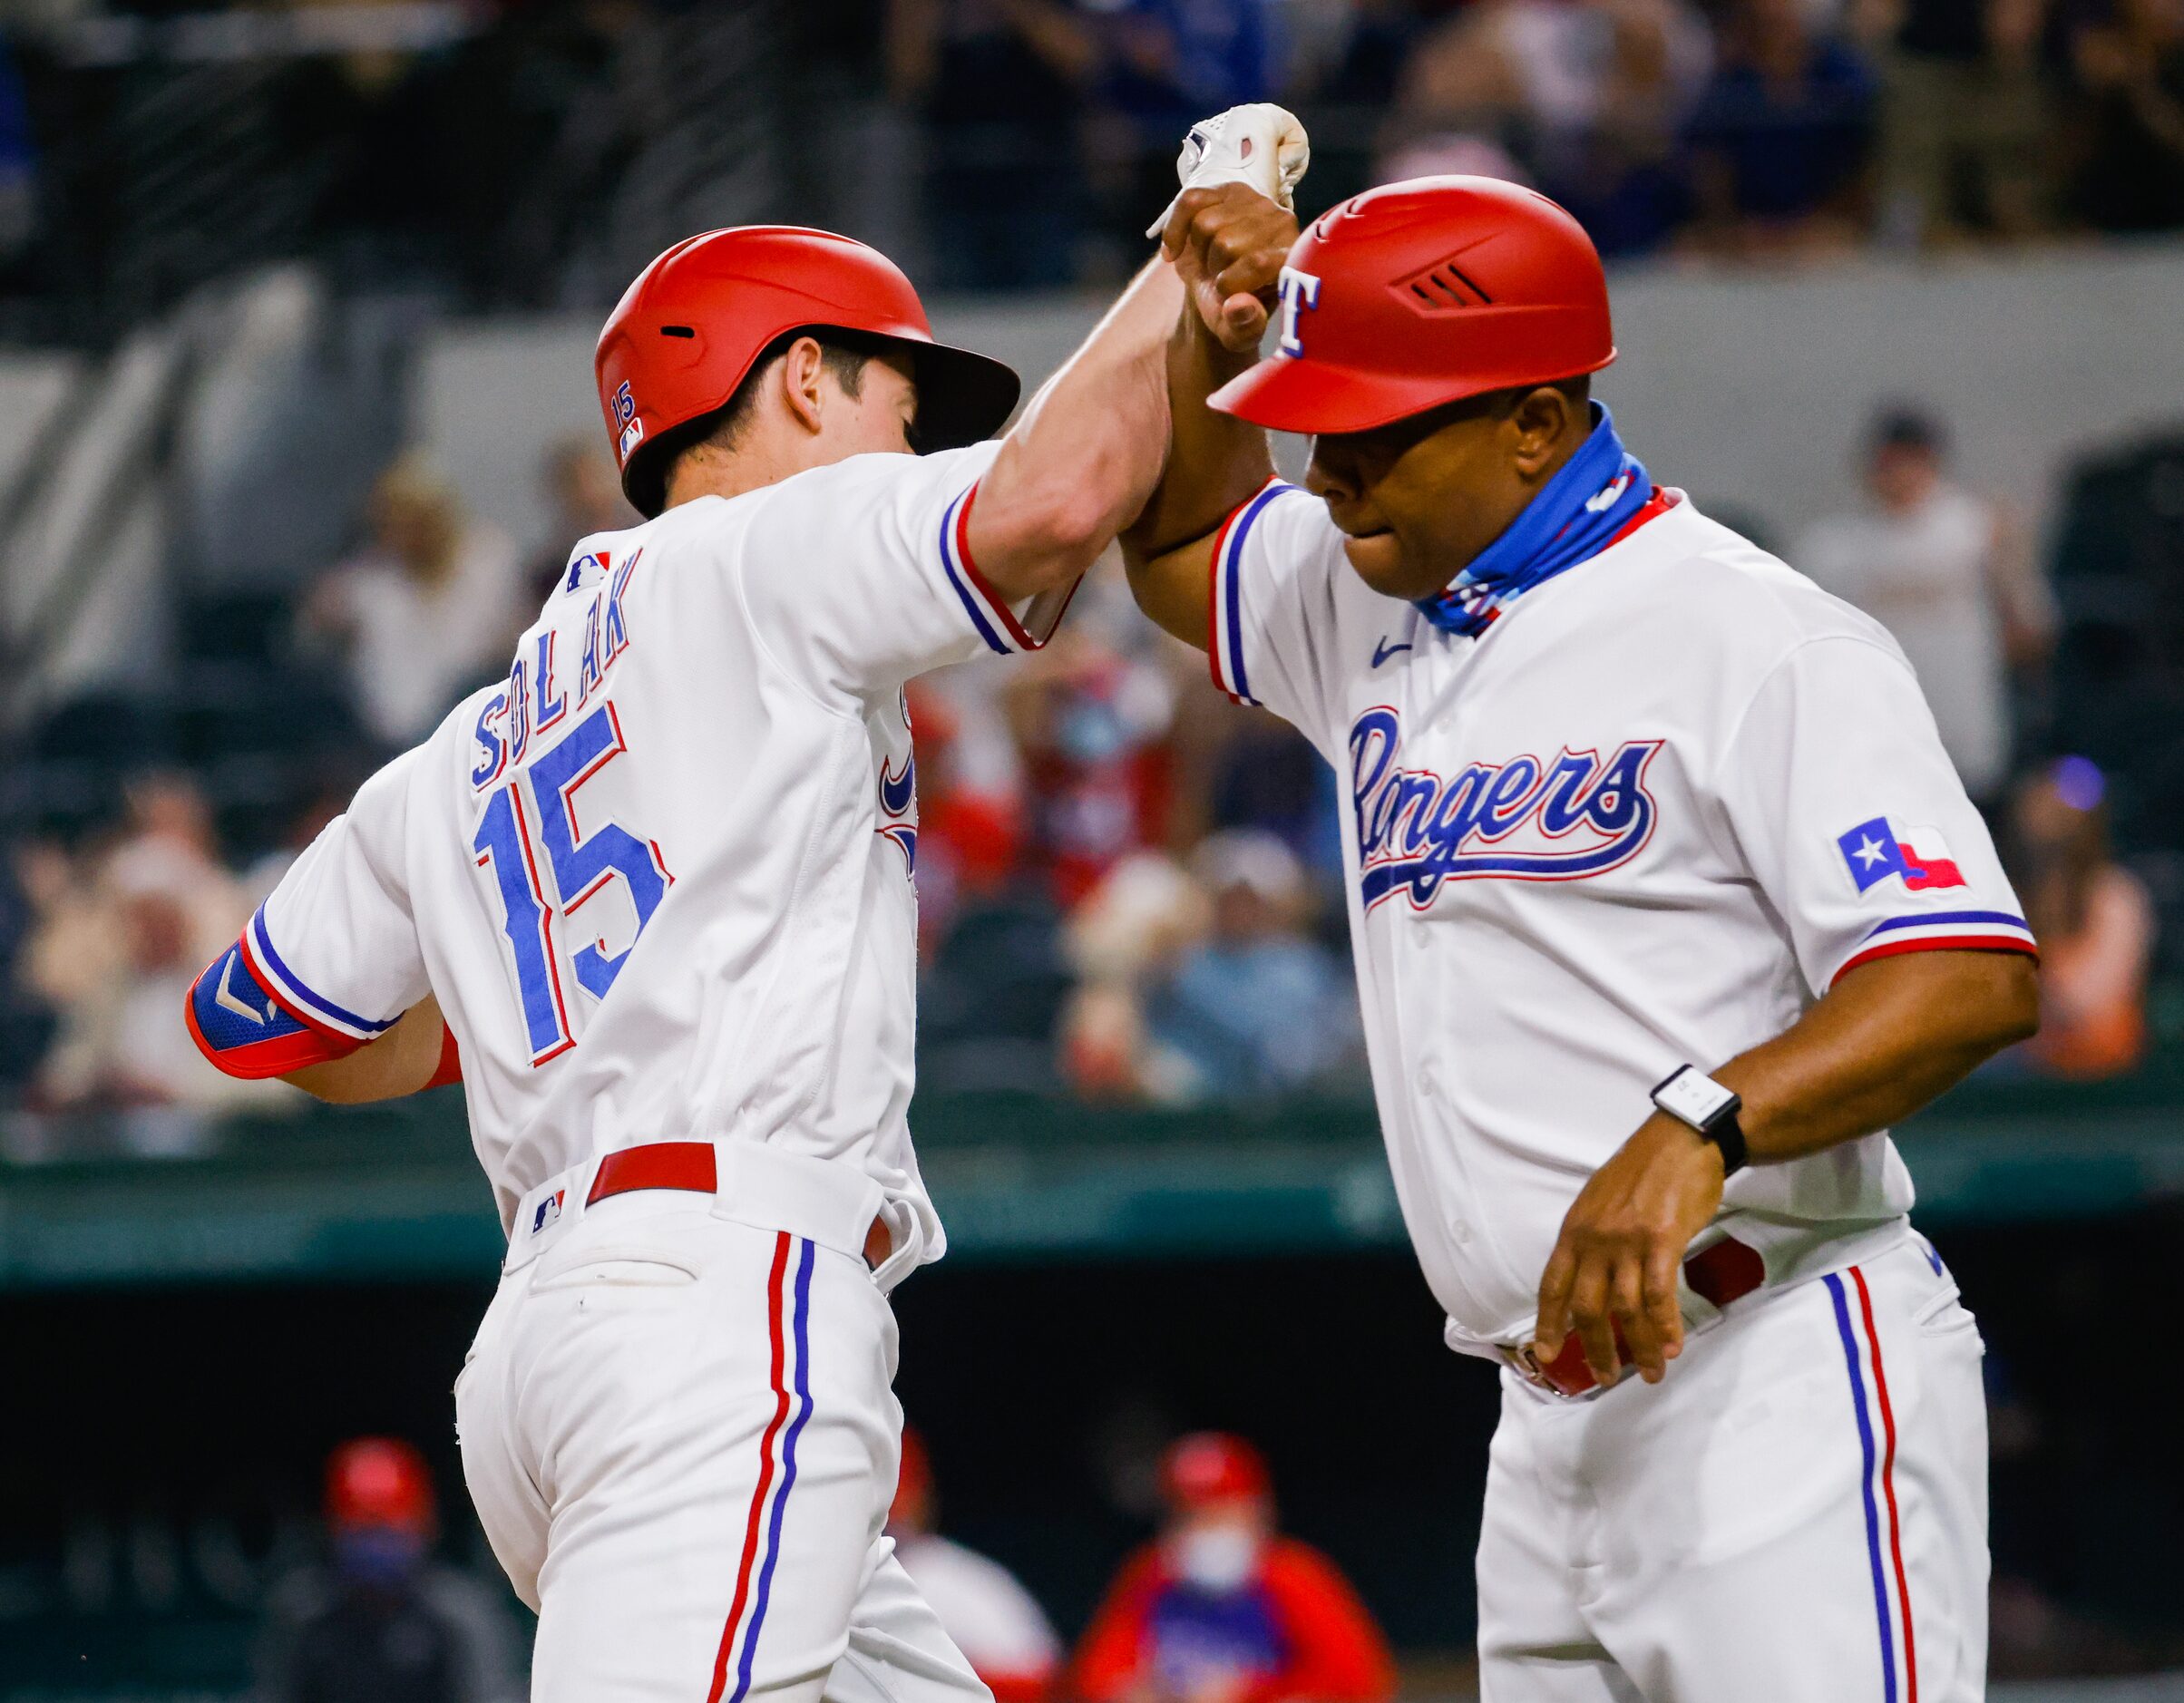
649	896
1665	904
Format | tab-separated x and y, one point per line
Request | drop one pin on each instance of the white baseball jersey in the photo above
659	878
1645	820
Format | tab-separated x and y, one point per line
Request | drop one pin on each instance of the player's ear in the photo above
801	369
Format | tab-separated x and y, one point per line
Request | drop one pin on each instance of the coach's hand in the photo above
1614	1268
1228	243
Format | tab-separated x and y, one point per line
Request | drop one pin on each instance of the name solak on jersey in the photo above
1519	820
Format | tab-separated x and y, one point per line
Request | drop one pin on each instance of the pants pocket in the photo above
583	1264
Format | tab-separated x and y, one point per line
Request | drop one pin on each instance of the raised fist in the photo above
1228	243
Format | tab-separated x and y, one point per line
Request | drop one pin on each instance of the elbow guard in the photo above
240	1026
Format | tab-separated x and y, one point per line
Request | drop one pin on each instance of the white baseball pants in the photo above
1798	1512
680	1436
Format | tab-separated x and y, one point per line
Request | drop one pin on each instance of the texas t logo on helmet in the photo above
1299	290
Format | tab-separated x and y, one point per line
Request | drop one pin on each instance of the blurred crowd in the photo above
537	150
1219	1607
1130	887
1732	127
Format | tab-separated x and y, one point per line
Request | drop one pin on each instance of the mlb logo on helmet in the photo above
1875	849
549	1212
625	415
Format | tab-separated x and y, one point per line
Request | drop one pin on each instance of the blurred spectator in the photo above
116	947
2093	918
384	1623
1263	774
1779	139
584	495
18	163
1965	128
1256	1007
327	797
426	610
1220	1608
1169	64
1091	727
1001	85
968	840
1622	174
997	1625
1130	929
1587	97
1952	576
2130	65
26	1020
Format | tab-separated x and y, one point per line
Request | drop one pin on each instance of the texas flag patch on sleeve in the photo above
1874	850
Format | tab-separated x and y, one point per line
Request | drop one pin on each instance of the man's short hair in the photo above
843	354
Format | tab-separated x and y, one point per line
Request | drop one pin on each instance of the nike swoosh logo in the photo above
1384	650
227	996
897	790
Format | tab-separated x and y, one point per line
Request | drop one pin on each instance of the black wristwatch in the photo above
1692	1097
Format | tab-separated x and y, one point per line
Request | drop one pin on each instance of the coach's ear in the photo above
1540	421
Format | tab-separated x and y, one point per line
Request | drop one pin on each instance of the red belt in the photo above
691	1165
1727	1272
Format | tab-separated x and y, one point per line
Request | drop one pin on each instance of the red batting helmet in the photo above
1209	1466
1423	292
379	1481
685	334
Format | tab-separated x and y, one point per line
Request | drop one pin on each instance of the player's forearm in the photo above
404	1060
1886	1039
1087	453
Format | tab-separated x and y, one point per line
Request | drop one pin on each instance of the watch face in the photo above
1693	1096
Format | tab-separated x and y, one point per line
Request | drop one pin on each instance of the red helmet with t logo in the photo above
1423	292
688	330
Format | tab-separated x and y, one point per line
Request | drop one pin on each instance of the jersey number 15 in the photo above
581	865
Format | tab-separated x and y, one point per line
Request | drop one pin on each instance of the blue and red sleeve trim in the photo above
990	615
1224	613
295	995
1942	931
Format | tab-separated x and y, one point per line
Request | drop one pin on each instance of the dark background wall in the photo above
160	1450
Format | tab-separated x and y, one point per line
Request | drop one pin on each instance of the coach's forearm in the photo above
1215	461
1887	1039
1087	453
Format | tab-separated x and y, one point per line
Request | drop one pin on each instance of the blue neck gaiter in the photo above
1585	505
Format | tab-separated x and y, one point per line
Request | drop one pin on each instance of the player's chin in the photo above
1378	558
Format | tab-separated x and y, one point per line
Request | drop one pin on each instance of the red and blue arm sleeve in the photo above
246	1030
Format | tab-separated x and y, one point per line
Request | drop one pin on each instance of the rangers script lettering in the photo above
1417	830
